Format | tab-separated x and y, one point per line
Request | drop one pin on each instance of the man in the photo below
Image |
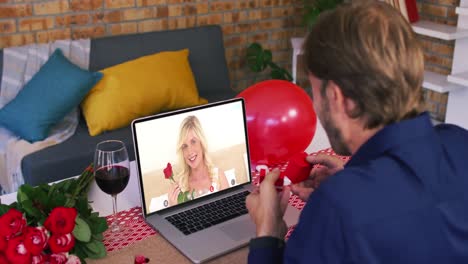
402	198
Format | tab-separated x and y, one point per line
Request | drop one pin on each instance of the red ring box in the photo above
298	169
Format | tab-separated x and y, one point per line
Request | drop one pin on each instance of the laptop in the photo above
202	215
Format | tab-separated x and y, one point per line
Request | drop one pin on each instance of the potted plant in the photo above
313	8
259	59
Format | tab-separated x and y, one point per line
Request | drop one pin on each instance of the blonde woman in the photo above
198	176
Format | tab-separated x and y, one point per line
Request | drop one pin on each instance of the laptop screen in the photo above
188	154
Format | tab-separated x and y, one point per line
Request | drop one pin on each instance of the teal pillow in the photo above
57	88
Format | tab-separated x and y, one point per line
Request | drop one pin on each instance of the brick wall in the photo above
270	22
438	53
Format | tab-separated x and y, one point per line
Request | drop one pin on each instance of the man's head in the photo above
364	63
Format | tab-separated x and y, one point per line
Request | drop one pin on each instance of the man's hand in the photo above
329	166
266	207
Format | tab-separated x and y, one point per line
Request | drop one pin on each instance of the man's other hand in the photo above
329	165
266	207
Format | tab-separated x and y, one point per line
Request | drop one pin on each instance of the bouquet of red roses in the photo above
52	224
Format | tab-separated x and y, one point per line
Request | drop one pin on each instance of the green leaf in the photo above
4	208
281	74
97	224
254	49
276	74
58	199
82	232
24	192
310	17
80	250
267	57
31	210
95	249
98	237
82	206
181	198
255	57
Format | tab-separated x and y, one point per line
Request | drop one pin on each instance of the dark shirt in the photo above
402	198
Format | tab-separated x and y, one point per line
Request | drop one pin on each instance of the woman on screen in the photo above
198	176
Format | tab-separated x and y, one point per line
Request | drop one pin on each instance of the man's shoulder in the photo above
375	189
452	134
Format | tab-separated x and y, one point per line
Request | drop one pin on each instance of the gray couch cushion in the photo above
70	157
208	63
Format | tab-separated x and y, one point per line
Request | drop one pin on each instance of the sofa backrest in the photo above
1	64
206	46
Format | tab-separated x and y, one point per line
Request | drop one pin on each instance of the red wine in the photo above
112	180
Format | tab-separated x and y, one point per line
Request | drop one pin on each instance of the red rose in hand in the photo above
35	239
12	223
58	258
16	251
61	220
168	172
61	243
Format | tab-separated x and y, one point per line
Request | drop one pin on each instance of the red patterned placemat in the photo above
136	229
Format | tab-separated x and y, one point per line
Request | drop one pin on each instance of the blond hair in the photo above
191	123
371	52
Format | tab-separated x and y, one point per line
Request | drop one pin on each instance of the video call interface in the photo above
211	141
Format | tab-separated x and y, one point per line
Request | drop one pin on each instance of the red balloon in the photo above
281	121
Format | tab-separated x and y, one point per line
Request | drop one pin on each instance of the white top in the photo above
214	185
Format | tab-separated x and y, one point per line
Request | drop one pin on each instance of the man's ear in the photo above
335	96
340	102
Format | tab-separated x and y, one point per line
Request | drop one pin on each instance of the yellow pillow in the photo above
144	86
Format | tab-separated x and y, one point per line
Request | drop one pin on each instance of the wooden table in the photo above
158	250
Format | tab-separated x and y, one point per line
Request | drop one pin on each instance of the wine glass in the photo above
112	172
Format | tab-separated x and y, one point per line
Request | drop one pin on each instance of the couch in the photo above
207	59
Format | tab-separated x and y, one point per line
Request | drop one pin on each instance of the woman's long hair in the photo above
191	123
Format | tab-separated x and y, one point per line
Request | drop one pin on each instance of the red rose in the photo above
60	258
12	223
16	252
90	168
3	259
168	172
73	259
61	220
61	243
38	259
140	259
3	244
35	239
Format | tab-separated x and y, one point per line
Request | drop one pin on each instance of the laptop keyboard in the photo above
210	214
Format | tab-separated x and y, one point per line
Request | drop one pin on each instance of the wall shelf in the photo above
459	78
438	82
462	11
440	31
